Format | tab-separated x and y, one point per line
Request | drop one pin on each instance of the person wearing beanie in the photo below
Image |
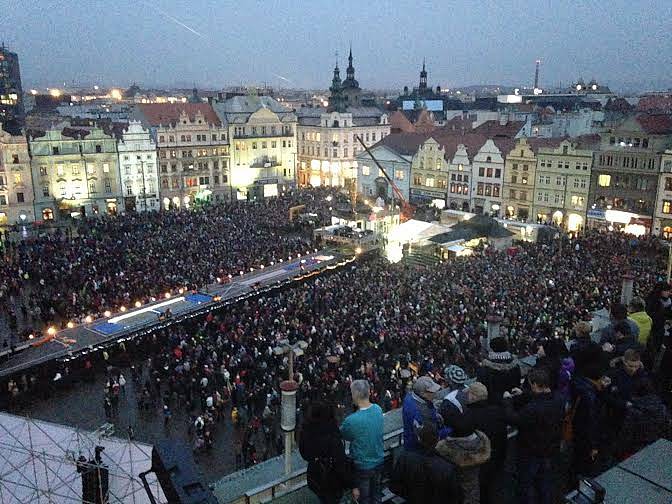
488	418
454	402
499	371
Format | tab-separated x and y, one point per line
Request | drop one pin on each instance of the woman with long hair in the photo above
322	446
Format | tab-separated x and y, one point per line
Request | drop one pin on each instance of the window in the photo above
127	169
523	195
162	138
481	171
583	183
576	183
645	143
129	190
274	144
43	171
399	174
345	152
524	180
514	179
108	186
558	180
59	170
479	189
488	189
3	200
498	173
55	151
17	178
216	179
604	180
203	180
488	172
558	199
417	180
264	145
164	183
512	194
99	148
539	196
106	168
495	190
429	181
515	166
15	158
366	171
667	207
19	197
92	188
578	201
254	145
45	191
3	182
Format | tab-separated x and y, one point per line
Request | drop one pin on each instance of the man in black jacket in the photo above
423	476
539	423
489	419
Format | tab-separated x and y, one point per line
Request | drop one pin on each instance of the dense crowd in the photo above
385	323
115	261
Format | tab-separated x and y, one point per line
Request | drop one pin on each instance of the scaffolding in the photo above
42	462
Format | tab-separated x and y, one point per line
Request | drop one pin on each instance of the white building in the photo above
662	221
488	176
328	142
139	169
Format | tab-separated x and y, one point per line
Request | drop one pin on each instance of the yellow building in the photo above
519	176
562	184
429	173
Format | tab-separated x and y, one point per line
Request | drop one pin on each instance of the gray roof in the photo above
239	108
479	226
361	116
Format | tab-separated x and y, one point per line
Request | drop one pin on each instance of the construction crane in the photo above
407	209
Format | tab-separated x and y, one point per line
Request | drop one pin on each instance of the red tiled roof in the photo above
169	113
450	140
655	124
425	122
495	129
545	143
618	105
587	141
399	123
655	103
458	124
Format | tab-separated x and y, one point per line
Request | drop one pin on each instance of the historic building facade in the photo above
139	169
193	152
519	180
488	169
429	172
263	144
16	184
328	142
626	171
562	184
662	222
75	172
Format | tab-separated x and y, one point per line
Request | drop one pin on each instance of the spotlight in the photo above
138	304
122	309
88	319
51	331
167	295
70	325
107	313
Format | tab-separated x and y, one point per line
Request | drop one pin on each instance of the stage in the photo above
169	310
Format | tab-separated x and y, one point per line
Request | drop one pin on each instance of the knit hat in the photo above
476	392
455	375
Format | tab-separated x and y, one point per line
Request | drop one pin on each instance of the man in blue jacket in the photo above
418	409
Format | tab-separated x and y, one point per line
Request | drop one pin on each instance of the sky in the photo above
293	43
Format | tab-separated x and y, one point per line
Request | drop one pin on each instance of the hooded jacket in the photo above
499	372
467	454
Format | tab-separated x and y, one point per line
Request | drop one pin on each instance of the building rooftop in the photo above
168	114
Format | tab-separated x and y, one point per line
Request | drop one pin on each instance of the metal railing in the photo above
297	479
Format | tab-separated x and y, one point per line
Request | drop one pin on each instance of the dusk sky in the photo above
215	42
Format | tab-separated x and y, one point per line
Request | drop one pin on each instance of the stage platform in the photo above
121	325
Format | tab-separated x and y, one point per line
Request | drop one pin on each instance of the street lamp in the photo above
288	389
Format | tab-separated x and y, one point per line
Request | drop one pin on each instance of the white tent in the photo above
38	463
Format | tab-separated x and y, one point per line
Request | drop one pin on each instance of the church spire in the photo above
423	76
336	100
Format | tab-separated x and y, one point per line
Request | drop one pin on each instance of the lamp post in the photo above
288	389
493	323
627	288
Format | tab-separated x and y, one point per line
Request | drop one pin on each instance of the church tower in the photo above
423	78
336	100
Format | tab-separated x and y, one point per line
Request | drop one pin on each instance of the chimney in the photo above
536	74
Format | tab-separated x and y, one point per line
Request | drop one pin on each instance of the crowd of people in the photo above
371	322
114	261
